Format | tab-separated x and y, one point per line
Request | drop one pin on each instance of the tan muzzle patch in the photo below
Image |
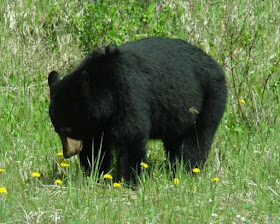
71	146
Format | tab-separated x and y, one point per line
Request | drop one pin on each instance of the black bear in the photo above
120	97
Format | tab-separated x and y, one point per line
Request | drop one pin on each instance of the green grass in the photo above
39	36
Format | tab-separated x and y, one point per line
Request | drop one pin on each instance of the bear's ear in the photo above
53	78
112	50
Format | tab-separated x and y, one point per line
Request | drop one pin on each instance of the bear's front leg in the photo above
95	156
130	155
85	156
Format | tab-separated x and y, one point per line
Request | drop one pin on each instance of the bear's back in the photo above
159	76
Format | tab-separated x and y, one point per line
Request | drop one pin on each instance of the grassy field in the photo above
37	36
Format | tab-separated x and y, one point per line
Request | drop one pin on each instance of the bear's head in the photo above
81	103
68	111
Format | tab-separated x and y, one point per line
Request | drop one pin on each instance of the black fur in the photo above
154	88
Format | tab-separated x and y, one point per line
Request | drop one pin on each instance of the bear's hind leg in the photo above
194	151
173	150
198	142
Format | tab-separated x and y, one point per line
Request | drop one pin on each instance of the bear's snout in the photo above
71	146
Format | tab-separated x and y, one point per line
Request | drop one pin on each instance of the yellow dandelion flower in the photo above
242	101
196	170
59	154
108	176
176	181
3	190
144	165
58	181
116	185
36	174
64	164
60	160
2	170
215	179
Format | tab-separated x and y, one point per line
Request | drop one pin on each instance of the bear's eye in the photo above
65	130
